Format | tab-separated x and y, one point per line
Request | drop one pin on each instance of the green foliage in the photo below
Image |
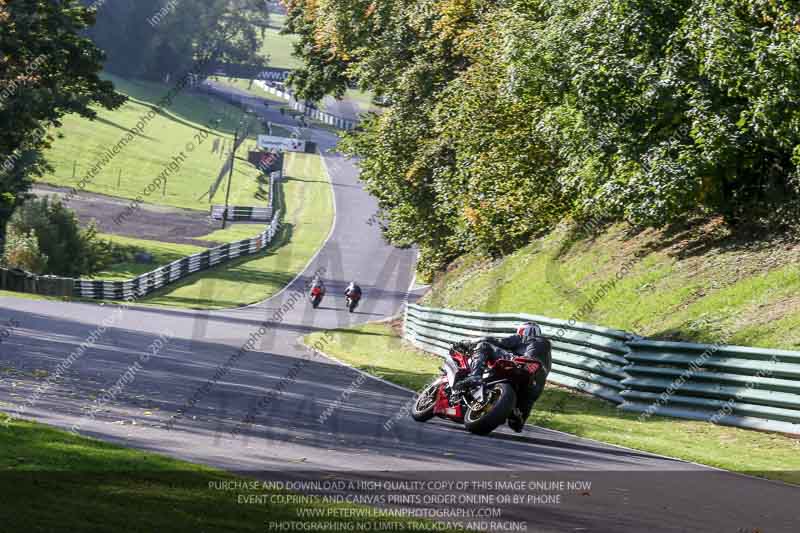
506	118
47	69
153	38
66	248
22	251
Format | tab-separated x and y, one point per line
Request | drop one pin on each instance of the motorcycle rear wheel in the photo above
422	411
494	412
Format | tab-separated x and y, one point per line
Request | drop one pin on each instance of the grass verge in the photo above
377	349
12	294
235	232
697	282
62	482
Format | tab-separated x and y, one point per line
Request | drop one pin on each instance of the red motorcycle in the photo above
483	407
316	296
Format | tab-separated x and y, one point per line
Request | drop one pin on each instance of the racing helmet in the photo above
529	331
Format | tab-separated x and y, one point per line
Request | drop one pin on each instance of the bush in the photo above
68	250
22	251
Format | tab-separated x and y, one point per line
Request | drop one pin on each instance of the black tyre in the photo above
493	412
422	410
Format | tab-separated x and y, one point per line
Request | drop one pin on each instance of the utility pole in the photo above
230	177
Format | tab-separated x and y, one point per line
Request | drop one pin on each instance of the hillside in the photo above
184	128
699	282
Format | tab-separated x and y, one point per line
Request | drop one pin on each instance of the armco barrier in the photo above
733	385
241	213
21	281
158	278
590	358
753	388
322	116
281	92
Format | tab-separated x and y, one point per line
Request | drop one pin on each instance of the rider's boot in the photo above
467	383
475	376
516	420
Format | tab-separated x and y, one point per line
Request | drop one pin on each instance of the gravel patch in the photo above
152	222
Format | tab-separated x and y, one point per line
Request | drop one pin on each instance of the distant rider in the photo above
527	342
353	290
317	286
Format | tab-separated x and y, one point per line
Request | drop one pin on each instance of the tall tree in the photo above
47	69
153	38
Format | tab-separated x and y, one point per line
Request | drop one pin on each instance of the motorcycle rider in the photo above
353	290
527	342
316	283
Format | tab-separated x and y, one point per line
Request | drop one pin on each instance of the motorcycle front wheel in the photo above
422	410
493	412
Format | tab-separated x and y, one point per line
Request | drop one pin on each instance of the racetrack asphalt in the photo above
260	412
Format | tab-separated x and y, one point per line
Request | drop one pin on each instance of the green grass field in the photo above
377	349
235	232
277	47
183	129
307	219
60	482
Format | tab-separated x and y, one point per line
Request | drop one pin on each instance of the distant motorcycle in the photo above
352	302
316	296
483	407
